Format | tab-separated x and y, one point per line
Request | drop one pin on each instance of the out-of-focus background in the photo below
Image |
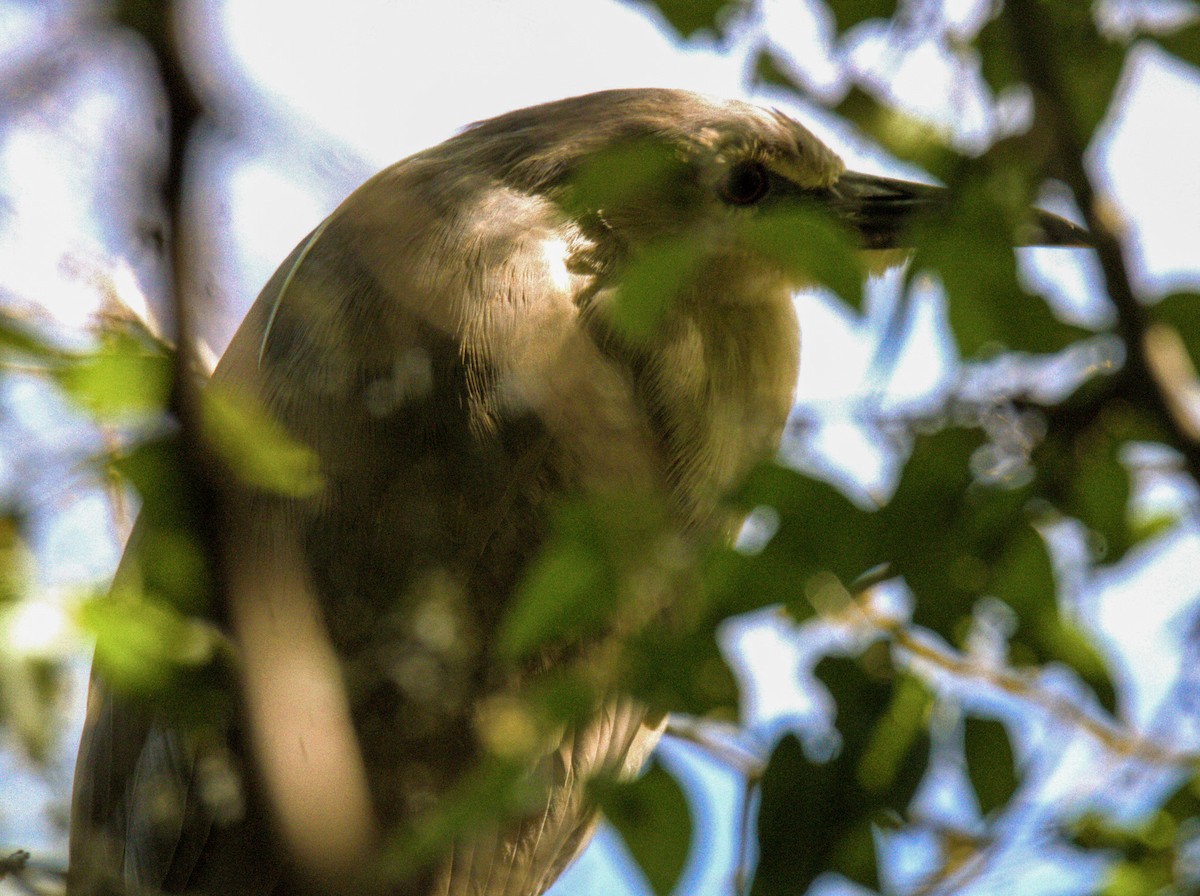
303	101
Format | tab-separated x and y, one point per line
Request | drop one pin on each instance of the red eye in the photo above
746	184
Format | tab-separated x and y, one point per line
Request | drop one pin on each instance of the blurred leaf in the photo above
651	281
814	818
1181	312
1184	43
679	671
570	588
1088	63
255	446
990	763
901	134
31	696
1080	473
653	819
820	530
768	70
944	530
128	373
971	250
809	244
689	16
603	554
141	643
622	175
155	469
997	65
1060	639
1153	853
849	13
492	790
18	339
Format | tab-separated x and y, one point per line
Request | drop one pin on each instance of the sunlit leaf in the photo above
990	763
809	245
652	817
255	446
126	374
31	692
620	175
651	281
142	643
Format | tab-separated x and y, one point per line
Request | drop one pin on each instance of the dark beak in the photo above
882	210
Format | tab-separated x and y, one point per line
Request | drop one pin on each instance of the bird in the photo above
453	346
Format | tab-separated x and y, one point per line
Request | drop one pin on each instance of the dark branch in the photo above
1033	43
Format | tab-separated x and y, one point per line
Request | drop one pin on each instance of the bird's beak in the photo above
881	210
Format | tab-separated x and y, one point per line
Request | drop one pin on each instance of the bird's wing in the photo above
424	343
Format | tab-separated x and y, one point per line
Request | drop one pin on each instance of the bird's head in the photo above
640	172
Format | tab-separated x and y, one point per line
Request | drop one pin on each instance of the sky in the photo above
307	100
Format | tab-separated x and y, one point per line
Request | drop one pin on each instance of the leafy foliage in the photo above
652	816
818	817
968	519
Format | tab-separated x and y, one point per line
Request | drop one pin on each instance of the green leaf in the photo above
1181	312
814	818
679	671
849	13
997	63
493	790
903	135
1080	472
156	470
604	554
256	446
128	374
970	248
571	589
990	763
142	643
1184	43
689	16
18	339
808	244
621	175
652	817
650	283
768	70
1060	639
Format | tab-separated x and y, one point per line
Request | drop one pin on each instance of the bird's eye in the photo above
746	184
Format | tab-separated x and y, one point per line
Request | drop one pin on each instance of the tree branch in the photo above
1144	380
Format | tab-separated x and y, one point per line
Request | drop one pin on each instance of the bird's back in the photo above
441	460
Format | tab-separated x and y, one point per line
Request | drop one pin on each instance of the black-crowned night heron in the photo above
445	342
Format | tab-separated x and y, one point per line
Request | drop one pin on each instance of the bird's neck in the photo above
719	386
